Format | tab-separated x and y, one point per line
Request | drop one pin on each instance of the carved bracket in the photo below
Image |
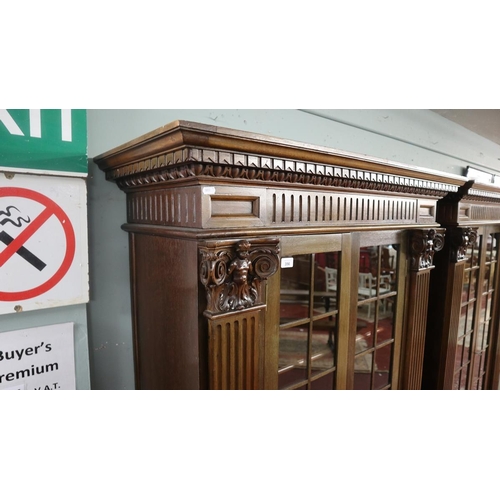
461	239
424	243
233	273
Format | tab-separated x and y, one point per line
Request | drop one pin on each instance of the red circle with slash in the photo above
51	208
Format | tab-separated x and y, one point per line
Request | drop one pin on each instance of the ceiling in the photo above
484	122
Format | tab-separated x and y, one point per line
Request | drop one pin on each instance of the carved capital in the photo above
233	273
461	239
423	245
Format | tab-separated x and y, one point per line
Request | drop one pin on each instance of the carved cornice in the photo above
184	150
472	191
424	243
481	195
254	168
233	273
461	239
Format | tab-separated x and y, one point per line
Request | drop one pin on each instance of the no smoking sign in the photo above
43	243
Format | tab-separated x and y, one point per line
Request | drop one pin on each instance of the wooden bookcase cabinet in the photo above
462	350
214	218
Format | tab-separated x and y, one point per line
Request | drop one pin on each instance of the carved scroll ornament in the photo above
233	273
423	245
461	239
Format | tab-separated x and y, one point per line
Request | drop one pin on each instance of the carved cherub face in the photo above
242	249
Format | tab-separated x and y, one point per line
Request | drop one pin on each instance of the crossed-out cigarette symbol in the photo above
7	239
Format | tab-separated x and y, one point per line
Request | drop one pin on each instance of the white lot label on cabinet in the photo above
287	262
41	358
43	242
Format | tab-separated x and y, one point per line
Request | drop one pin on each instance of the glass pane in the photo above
295	284
463	378
466	349
483	362
468	254
363	371
459	354
389	260
326	279
488	239
475	253
387	284
325	383
367	295
465	287
387	307
292	366
494	247
470	317
480	337
365	331
323	345
473	283
385	326
368	260
383	358
477	371
463	317
492	276
484	313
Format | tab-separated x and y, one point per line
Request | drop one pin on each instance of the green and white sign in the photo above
47	141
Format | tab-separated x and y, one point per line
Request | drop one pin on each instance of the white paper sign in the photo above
43	242
41	358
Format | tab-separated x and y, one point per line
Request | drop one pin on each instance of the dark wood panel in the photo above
167	338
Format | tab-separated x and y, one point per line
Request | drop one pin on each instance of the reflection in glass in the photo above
465	352
459	353
326	281
308	318
470	316
377	292
475	254
463	377
365	331
483	303
494	247
368	260
327	382
363	371
456	380
383	357
476	375
480	363
385	324
461	324
489	246
468	255
492	275
295	284
465	287
480	337
323	345
292	365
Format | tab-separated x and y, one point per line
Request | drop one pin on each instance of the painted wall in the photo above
415	137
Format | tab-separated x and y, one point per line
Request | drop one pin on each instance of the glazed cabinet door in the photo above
477	337
338	323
